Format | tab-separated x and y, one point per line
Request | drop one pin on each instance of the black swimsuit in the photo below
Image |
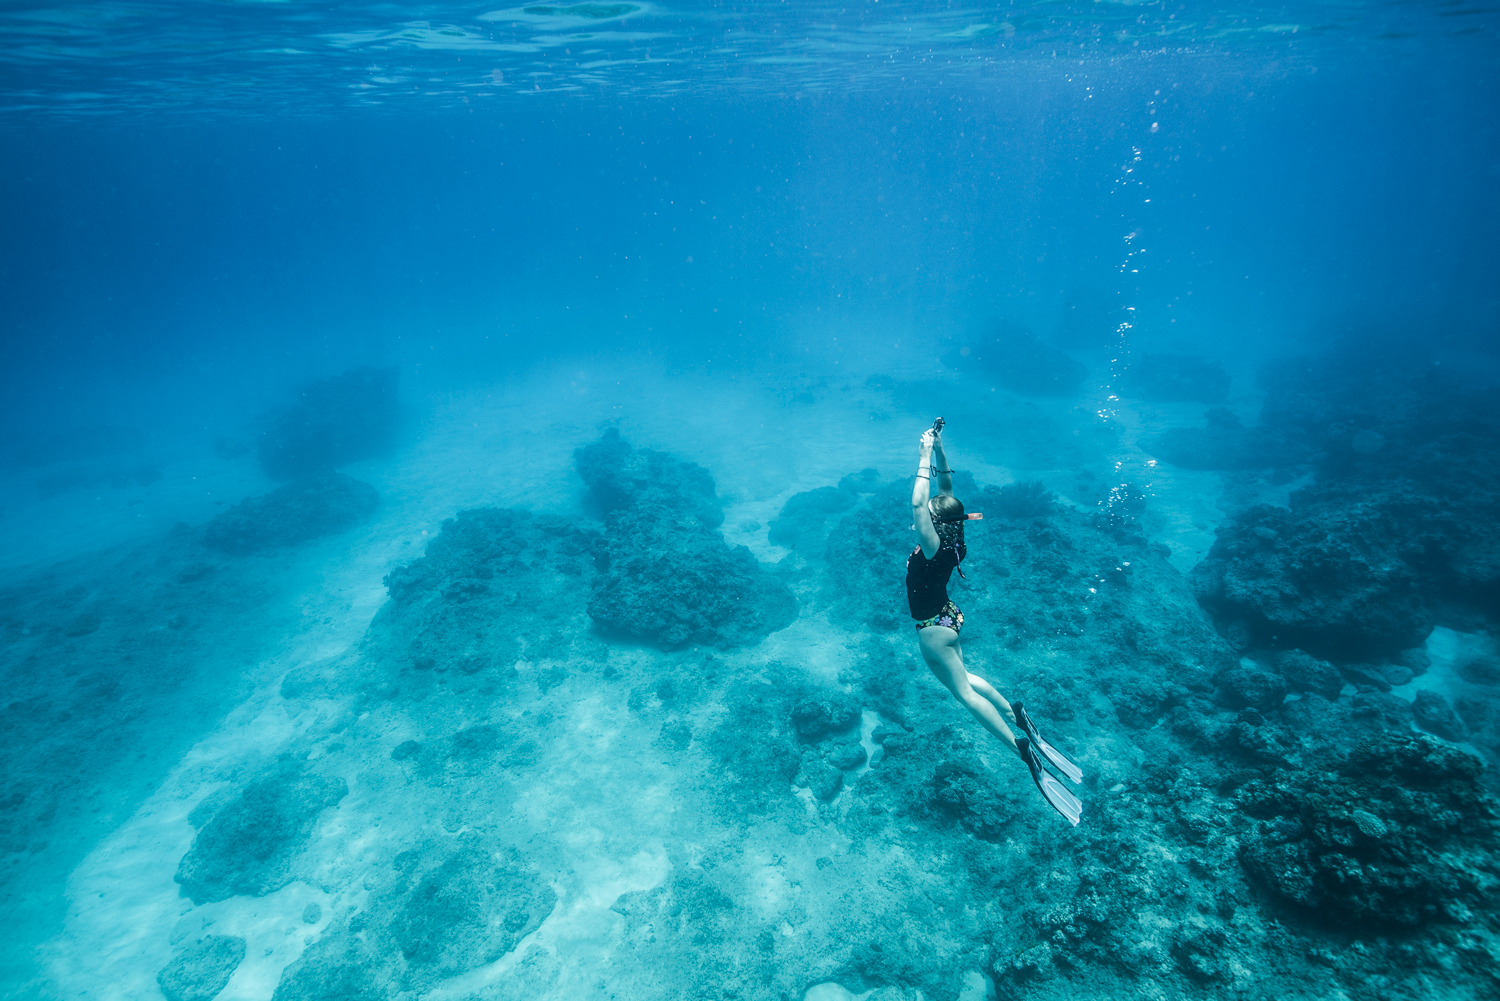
927	587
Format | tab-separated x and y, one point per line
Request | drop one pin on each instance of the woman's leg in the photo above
944	656
987	690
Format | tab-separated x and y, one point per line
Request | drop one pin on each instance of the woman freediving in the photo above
939	522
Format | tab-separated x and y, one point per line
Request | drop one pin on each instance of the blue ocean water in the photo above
457	481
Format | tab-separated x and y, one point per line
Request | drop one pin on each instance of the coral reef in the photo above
806	515
1396	526
487	796
297	512
332	423
200	969
246	847
667	575
493	585
1029	499
754	750
113	665
1323	578
1399	834
807	861
434	914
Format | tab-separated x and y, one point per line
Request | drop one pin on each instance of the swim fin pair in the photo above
1032	748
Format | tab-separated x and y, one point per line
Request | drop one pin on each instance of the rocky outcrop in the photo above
667	576
323	504
248	845
1391	837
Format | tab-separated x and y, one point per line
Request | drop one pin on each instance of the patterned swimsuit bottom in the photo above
949	615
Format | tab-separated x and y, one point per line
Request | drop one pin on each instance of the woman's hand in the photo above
929	437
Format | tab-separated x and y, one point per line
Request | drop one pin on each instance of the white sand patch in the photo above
813	644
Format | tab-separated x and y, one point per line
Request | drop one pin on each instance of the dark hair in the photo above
948	519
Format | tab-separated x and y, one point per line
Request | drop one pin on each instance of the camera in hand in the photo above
937	426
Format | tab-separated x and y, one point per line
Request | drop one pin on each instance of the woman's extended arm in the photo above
940	467
921	518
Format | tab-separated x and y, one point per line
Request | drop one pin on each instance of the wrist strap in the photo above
936	470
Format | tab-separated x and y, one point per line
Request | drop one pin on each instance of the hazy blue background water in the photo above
205	202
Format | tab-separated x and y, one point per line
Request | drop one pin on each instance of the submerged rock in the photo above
1399	520
805	515
847	757
828	711
200	969
821	777
247	847
332	423
1366	676
1433	714
865	481
1024	501
620	477
467	912
969	792
1482	669
668	576
439	911
1224	443
298	512
1385	839
1396	675
754	748
491	580
1306	673
1323	578
1241	687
